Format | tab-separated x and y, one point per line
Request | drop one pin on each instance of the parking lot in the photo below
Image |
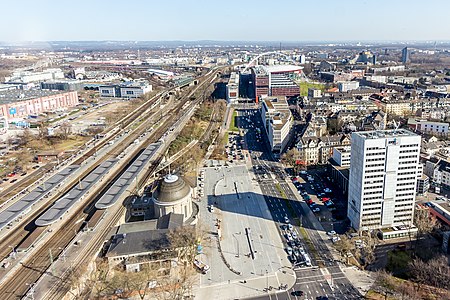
318	192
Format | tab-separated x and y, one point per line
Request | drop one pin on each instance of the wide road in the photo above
326	281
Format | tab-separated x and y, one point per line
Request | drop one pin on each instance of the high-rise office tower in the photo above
384	168
405	55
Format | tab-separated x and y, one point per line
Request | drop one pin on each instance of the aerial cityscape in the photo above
248	150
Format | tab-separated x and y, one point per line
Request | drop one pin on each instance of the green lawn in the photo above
233	122
304	86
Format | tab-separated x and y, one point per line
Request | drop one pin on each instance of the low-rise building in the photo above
314	93
27	76
138	244
438	128
438	170
19	104
132	89
341	155
345	86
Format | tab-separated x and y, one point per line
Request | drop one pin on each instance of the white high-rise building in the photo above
384	167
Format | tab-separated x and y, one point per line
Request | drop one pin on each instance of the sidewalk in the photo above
237	289
361	280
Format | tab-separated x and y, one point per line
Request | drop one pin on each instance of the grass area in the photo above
280	190
304	86
71	143
233	122
398	262
310	245
225	138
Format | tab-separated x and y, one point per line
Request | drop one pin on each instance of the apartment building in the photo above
439	128
384	168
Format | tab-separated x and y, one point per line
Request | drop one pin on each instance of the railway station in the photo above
124	181
63	205
23	206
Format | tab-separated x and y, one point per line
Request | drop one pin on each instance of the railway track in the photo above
18	233
33	268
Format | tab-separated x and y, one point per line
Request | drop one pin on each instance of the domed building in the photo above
173	195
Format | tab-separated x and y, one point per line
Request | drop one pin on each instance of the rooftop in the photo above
11	96
381	134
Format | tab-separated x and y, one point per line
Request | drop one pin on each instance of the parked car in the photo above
316	209
331	233
289	250
286	219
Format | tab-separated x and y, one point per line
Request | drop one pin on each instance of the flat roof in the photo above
12	96
379	134
64	204
119	187
25	203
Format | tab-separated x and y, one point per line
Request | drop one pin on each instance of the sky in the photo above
231	20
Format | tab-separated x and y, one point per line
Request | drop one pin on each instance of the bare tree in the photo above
43	130
435	272
179	285
384	283
425	223
343	246
368	251
65	130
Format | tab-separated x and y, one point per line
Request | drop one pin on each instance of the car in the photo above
303	172
297	293
294	235
290	227
12	174
286	219
312	204
329	203
301	250
331	233
289	250
283	227
335	239
211	208
316	210
322	298
12	181
23	174
289	237
5	179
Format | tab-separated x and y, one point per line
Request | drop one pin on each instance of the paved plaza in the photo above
246	226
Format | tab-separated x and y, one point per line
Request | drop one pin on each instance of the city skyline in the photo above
233	21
